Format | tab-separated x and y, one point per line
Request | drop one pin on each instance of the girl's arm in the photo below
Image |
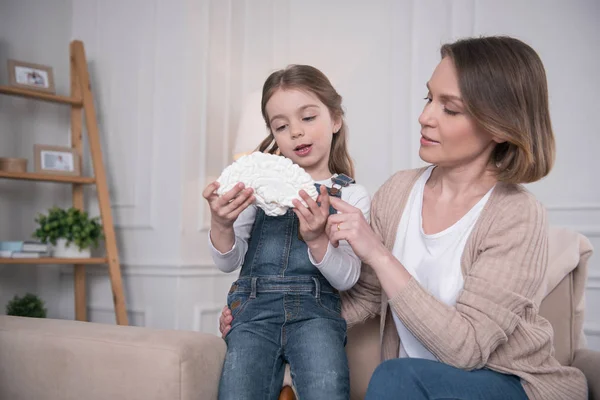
225	211
232	259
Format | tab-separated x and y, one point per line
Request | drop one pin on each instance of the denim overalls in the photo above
283	310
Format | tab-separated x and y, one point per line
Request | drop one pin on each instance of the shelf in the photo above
31	94
52	260
30	176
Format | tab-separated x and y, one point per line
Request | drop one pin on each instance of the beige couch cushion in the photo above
68	360
564	290
557	309
363	349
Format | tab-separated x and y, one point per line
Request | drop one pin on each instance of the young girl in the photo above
285	304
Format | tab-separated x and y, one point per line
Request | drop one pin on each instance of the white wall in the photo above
170	78
29	32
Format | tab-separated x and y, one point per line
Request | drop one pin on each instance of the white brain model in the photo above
276	181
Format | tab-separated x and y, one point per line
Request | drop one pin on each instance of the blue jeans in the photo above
419	379
276	320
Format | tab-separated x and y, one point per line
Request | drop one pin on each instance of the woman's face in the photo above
449	135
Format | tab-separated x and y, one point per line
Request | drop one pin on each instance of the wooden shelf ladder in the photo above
81	102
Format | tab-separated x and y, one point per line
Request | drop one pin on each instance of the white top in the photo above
433	260
340	266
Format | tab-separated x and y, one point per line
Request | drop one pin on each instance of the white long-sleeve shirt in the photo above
340	266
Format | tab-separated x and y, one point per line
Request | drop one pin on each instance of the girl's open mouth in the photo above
303	149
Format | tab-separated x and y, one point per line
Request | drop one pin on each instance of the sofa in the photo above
46	359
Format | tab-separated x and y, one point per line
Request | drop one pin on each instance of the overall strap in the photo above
332	192
340	181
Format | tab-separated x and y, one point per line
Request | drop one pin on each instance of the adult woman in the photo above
465	246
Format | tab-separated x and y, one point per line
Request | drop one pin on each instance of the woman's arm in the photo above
363	300
497	296
340	266
497	293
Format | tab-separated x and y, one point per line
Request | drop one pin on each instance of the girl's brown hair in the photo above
310	79
503	86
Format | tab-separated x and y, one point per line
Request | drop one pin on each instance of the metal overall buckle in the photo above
338	182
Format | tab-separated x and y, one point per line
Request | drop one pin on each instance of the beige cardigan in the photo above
495	323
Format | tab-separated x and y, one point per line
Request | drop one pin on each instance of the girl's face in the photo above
303	129
449	135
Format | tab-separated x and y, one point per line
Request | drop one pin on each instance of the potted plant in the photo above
71	232
27	306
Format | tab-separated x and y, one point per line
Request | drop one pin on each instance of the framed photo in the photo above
30	76
56	160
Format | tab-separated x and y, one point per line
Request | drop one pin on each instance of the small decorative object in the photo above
276	181
72	232
13	164
56	160
29	305
30	76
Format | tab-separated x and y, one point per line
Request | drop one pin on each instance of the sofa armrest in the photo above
48	359
588	361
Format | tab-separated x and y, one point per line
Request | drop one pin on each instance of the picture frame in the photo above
56	160
31	76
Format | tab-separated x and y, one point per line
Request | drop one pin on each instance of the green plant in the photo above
28	306
73	225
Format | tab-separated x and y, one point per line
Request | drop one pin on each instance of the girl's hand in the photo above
225	321
349	224
314	218
225	209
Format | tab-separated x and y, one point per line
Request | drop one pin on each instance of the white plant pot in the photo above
61	250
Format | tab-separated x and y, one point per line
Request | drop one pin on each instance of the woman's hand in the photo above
225	209
314	217
225	321
349	224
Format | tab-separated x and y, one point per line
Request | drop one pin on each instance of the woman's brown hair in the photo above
310	79
503	86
